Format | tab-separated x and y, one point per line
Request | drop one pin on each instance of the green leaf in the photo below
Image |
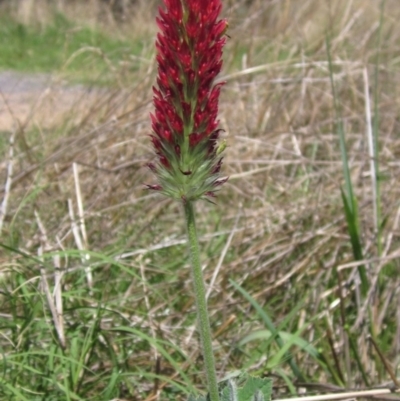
13	390
161	349
247	388
348	197
259	396
351	212
253	387
286	337
229	393
270	326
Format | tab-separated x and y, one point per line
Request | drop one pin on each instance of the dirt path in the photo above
36	99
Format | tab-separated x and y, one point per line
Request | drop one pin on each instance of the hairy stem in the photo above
201	302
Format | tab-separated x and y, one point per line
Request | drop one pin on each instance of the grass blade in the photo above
349	200
270	326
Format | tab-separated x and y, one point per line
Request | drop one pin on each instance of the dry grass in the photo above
281	205
112	15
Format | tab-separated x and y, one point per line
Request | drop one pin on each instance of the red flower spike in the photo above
185	122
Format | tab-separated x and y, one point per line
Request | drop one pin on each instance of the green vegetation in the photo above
85	54
95	296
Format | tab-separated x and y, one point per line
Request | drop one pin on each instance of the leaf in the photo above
286	337
247	388
351	212
229	393
161	349
253	387
270	326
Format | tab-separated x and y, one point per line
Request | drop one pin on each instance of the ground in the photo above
40	99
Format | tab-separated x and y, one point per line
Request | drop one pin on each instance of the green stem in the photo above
201	302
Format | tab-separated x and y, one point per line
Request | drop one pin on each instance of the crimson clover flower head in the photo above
184	124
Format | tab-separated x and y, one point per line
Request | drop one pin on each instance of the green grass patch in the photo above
83	53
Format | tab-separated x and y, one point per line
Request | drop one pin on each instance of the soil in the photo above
36	99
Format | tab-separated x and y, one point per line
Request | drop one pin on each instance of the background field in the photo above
95	290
